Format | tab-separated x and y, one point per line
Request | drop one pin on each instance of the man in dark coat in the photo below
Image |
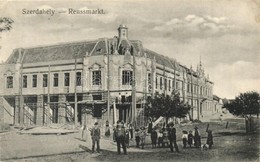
197	139
95	134
210	139
172	137
120	136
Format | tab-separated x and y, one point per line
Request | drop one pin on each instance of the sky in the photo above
225	34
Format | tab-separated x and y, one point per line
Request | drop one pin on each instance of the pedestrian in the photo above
127	138
142	136
107	129
131	131
165	136
210	139
197	140
95	134
184	138
190	138
137	137
120	138
160	138
83	130
154	137
172	137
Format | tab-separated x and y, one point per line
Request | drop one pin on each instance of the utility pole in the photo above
21	98
75	89
48	96
133	91
191	74
108	82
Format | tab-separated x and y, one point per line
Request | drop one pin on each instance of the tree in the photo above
245	105
5	24
166	106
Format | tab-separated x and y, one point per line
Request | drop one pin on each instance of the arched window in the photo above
96	77
127	76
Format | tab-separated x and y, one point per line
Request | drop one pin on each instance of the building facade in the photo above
105	79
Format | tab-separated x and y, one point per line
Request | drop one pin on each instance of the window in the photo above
34	81
56	80
149	79
173	86
188	87
45	80
149	82
97	97
177	85
165	84
25	81
66	79
78	78
169	84
96	77
161	83
9	82
127	76
156	82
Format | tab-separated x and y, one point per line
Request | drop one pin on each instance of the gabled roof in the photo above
163	60
55	52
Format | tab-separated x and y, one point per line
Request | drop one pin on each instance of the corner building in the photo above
105	79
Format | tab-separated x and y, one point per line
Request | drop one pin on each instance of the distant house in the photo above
104	79
218	104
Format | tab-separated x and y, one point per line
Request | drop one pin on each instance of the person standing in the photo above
107	129
150	126
143	136
95	134
210	139
172	137
197	140
120	136
184	138
154	137
190	138
137	137
131	130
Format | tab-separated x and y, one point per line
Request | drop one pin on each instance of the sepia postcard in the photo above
133	80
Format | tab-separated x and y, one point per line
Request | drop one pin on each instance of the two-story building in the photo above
107	79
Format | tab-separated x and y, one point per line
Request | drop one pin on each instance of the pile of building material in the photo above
53	129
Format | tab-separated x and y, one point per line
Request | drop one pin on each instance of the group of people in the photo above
122	133
188	138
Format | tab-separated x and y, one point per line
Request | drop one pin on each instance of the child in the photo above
190	138
184	138
127	138
210	139
154	137
107	129
137	137
142	136
160	138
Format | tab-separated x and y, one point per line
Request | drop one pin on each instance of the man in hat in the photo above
95	134
120	136
172	137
